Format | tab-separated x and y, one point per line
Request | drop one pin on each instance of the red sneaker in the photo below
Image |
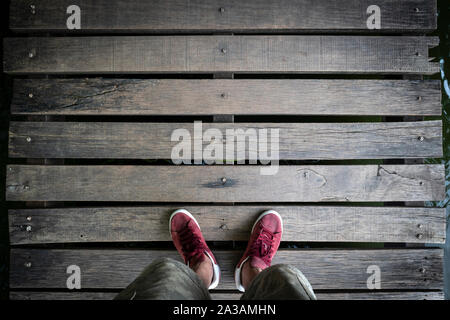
189	241
263	244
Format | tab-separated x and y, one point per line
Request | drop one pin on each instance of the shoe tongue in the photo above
257	262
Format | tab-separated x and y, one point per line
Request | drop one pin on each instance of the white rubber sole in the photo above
237	271
216	268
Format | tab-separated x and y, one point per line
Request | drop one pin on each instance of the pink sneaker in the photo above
189	241
263	244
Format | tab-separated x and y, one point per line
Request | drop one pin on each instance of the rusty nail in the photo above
419	236
28	264
28	229
224	180
28	218
28	139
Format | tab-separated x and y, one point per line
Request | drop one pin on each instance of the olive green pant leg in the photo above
280	282
166	279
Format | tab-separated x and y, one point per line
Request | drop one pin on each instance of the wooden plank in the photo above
297	141
216	15
228	223
226	183
213	54
372	295
369	295
325	269
96	96
413	161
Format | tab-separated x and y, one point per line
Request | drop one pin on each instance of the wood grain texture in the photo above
212	54
372	295
225	223
369	295
325	269
97	96
243	183
297	141
205	15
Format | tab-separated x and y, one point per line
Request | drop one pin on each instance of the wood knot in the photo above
310	177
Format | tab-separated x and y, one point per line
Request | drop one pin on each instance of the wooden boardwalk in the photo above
91	182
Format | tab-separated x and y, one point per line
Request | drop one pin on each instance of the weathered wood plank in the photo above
96	96
216	15
297	141
226	183
223	223
325	269
212	54
371	295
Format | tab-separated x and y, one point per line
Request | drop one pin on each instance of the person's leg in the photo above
166	279
279	282
253	272
169	279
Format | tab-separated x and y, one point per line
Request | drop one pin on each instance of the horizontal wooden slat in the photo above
241	183
96	96
206	54
325	269
371	295
297	141
219	223
235	15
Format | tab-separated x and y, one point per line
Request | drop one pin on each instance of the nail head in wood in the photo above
31	54
422	270
26	187
224	180
28	228
223	50
28	264
222	10
421	138
28	218
33	9
419	236
28	139
30	95
420	226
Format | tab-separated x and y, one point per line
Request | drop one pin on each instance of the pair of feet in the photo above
262	246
